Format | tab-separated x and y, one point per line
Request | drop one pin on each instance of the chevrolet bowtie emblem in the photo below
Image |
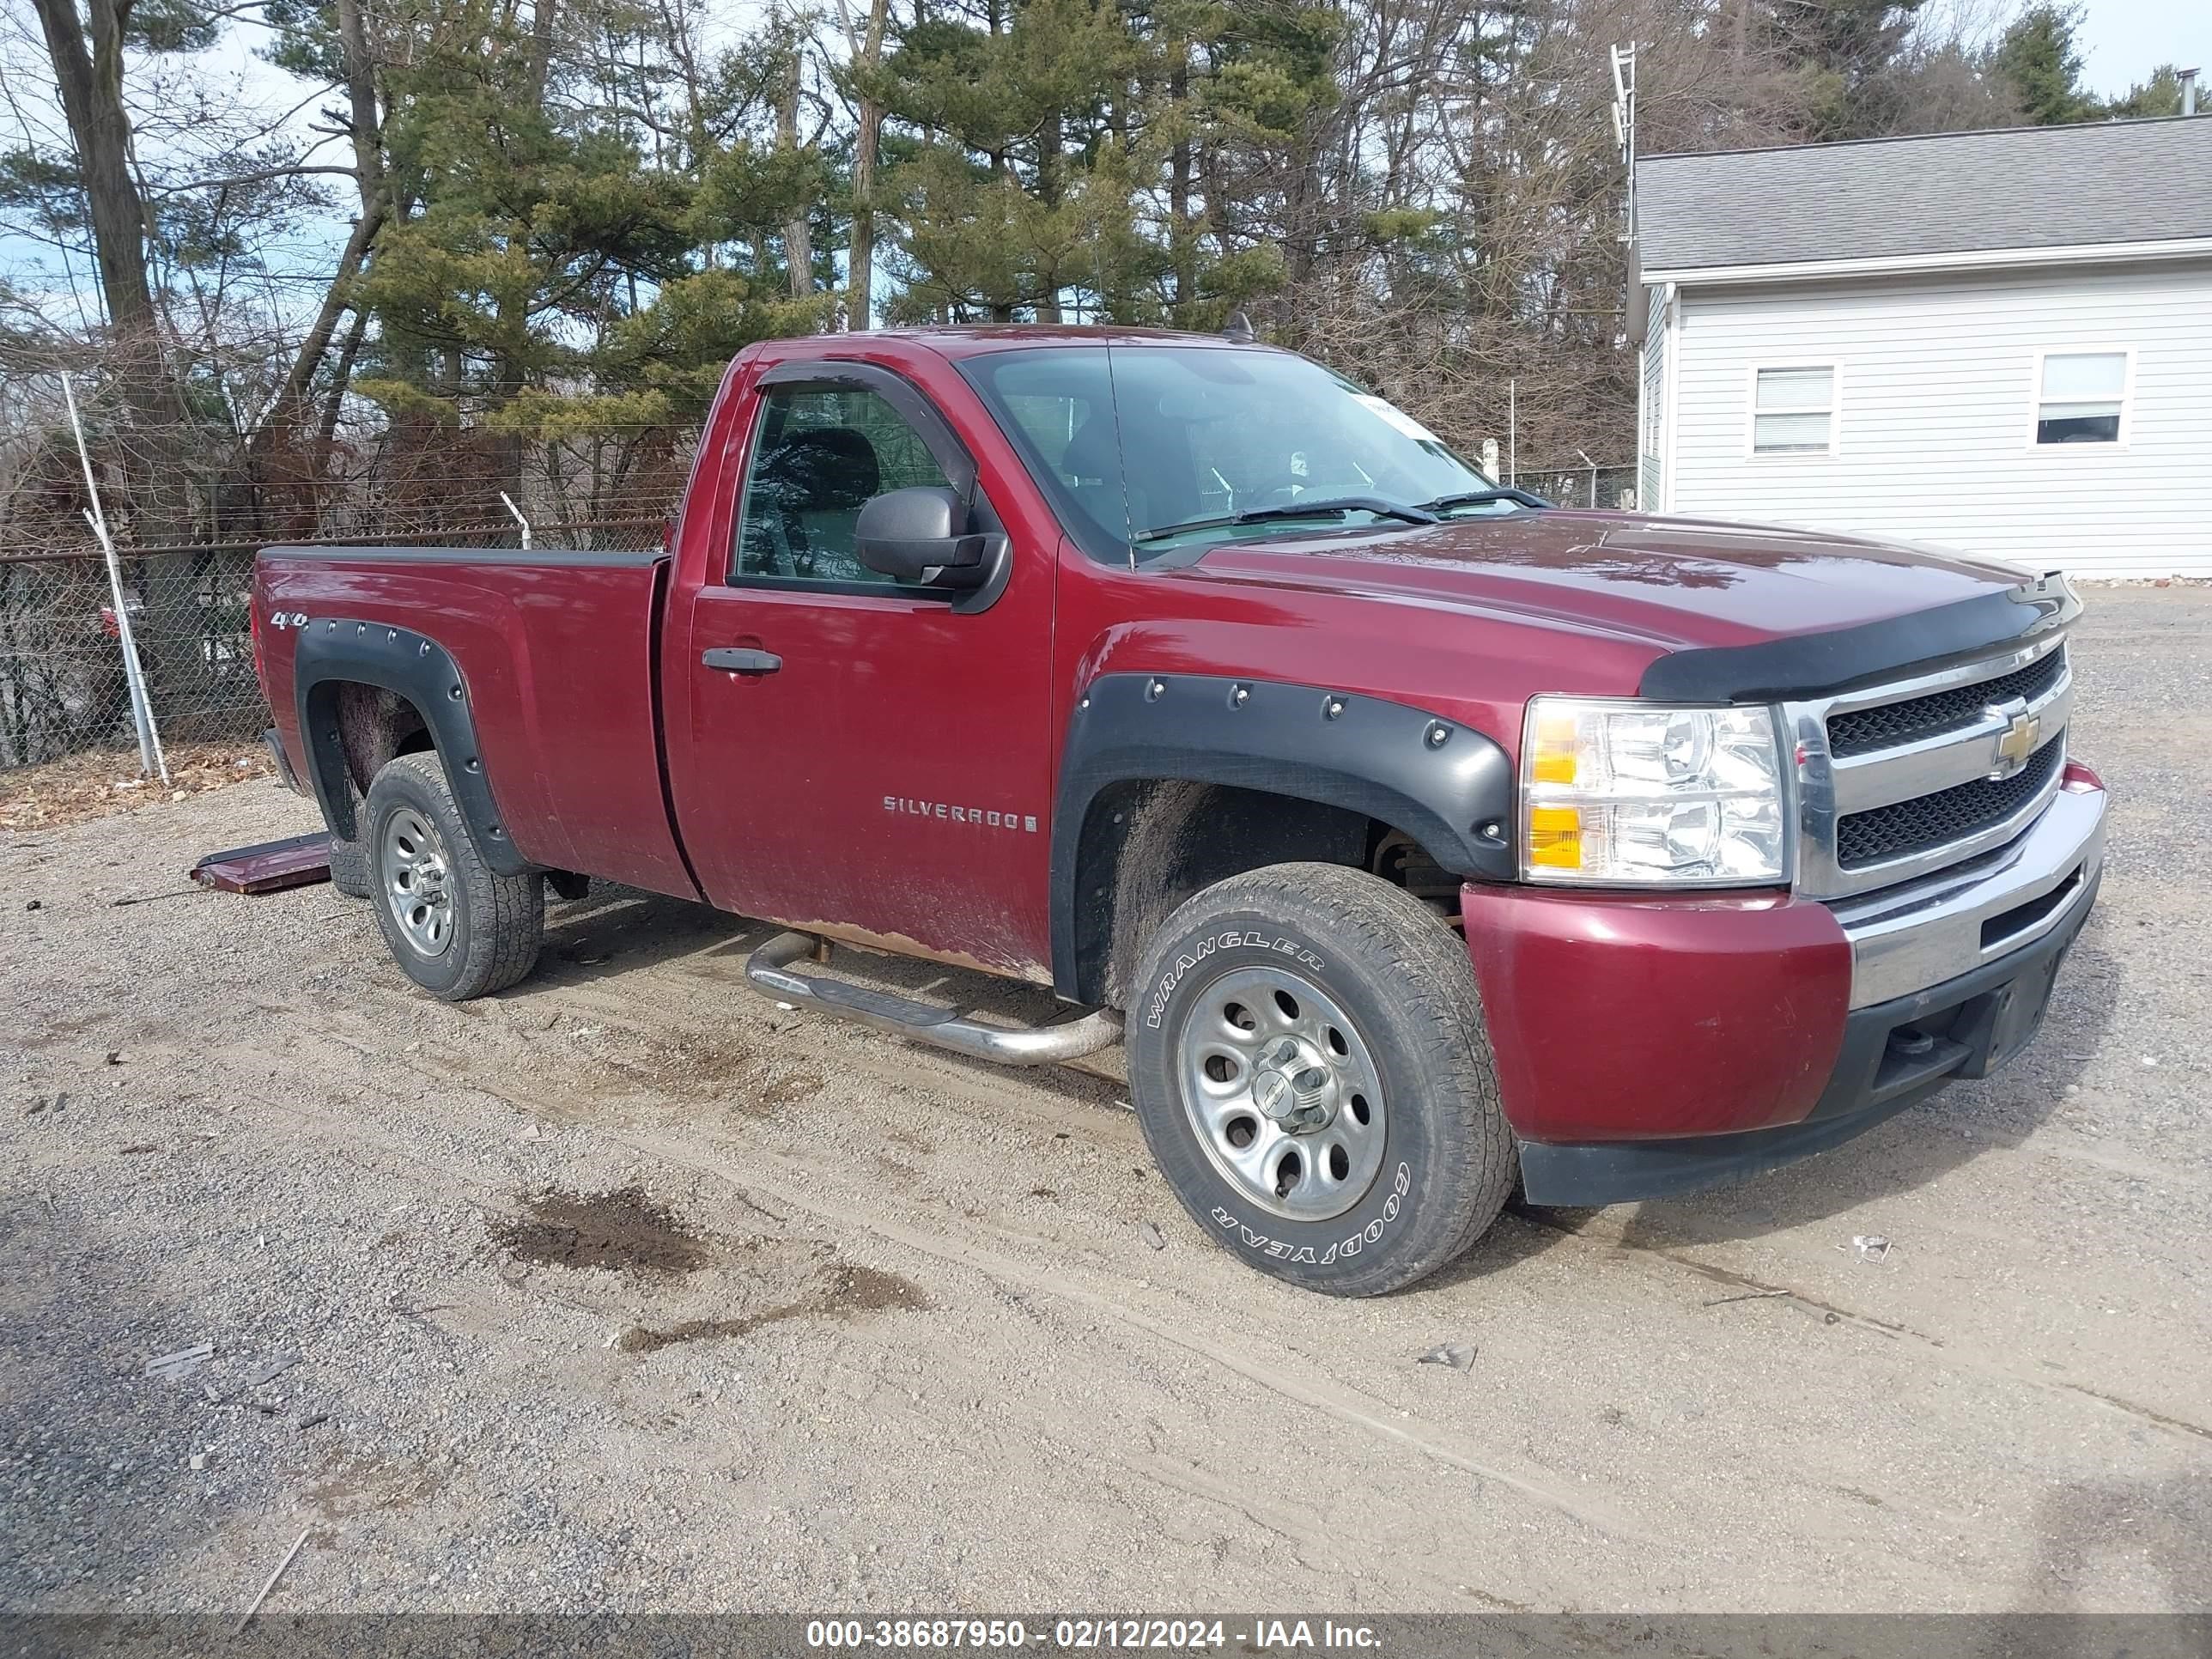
2016	743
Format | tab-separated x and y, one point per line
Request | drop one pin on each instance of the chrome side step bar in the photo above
769	972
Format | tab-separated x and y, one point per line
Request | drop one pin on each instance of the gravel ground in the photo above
626	1290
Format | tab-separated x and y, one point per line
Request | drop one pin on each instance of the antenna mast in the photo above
1624	124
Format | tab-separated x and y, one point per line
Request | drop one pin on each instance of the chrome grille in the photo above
1949	815
1898	781
1862	731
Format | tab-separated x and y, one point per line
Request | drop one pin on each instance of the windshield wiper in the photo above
1334	507
1484	498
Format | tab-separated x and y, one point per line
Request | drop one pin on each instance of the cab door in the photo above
862	755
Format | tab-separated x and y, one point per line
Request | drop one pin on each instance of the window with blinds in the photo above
1793	409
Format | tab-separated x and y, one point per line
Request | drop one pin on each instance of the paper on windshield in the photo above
1387	412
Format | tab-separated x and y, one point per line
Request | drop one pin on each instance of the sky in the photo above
2123	40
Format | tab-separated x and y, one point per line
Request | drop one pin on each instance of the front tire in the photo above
1310	1063
456	928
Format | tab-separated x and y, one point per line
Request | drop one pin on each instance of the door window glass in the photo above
821	453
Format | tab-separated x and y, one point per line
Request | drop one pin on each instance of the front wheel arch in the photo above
1329	758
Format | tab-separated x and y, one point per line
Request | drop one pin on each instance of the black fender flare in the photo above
334	651
1448	786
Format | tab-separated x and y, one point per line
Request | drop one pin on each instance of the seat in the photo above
1091	463
810	489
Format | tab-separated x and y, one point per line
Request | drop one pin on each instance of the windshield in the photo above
1160	447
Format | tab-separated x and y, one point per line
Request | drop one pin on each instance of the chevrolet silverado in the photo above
1418	839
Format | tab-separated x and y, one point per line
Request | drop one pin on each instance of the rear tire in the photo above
1310	1063
349	871
457	929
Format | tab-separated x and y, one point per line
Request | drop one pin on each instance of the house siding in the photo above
1936	410
1650	408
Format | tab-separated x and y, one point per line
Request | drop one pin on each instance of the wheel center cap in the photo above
1293	1088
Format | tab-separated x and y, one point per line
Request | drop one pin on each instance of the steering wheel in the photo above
1281	491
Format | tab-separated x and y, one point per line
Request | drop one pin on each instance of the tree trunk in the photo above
91	87
367	133
797	236
327	430
157	511
1184	241
538	65
860	275
335	301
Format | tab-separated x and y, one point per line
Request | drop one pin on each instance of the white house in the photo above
1998	340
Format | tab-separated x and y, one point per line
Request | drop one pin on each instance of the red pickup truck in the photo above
1419	838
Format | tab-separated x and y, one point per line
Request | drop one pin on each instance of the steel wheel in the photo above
416	878
1282	1093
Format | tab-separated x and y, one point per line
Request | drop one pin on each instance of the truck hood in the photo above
1678	584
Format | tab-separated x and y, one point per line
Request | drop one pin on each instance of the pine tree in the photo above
2038	60
2159	96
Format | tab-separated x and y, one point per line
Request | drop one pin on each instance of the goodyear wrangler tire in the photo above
457	927
1309	1062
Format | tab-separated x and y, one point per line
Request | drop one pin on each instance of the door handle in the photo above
739	660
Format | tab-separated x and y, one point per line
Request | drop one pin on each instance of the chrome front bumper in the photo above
1904	938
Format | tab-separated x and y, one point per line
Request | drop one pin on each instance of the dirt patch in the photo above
92	786
612	1231
699	1063
846	1293
790	1089
361	1485
855	1290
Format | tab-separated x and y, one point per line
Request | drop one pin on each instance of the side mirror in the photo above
921	535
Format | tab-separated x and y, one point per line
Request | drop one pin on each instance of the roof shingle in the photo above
2013	187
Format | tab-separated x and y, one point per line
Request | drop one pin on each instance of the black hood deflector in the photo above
1825	665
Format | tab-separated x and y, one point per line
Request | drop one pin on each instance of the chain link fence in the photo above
63	686
1580	485
190	489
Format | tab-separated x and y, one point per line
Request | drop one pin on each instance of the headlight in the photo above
1626	794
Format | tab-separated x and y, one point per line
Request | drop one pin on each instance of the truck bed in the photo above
556	650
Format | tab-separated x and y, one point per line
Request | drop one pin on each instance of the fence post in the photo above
150	758
519	519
